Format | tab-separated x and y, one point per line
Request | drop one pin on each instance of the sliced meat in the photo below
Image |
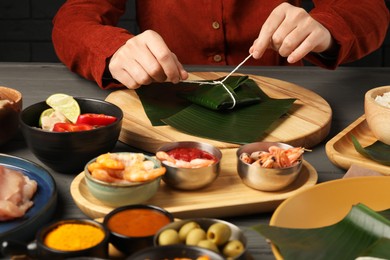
16	192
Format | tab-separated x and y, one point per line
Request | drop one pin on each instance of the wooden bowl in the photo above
9	113
377	115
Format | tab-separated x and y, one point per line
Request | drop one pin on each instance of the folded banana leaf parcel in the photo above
237	111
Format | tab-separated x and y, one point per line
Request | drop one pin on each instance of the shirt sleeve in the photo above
85	36
358	28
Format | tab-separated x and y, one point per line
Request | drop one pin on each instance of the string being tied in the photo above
221	82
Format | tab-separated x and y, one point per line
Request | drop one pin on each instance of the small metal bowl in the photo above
191	178
266	179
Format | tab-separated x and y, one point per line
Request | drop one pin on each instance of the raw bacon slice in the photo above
16	192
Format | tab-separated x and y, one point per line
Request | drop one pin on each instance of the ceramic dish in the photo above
45	200
329	202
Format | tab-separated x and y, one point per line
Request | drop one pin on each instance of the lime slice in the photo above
46	113
66	105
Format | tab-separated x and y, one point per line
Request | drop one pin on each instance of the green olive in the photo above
194	236
208	244
168	237
233	248
219	233
187	227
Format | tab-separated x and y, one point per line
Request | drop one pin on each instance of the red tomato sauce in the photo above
137	222
188	154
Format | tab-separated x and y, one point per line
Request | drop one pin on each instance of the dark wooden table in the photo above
343	88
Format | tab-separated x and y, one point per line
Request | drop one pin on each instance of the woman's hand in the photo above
293	33
144	59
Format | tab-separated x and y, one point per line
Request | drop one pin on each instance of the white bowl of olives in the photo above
214	234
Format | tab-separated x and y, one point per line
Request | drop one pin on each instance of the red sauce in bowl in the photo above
137	222
188	154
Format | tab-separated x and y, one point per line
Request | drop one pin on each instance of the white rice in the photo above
384	99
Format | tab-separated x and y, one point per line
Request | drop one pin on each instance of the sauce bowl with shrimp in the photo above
190	165
118	179
269	166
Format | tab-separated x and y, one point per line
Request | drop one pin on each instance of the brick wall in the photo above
26	25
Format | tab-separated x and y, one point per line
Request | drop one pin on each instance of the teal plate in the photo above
45	201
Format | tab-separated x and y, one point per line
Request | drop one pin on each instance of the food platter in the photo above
227	196
329	202
341	150
306	124
45	200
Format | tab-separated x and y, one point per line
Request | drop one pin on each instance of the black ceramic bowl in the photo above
38	249
174	252
9	113
68	152
135	216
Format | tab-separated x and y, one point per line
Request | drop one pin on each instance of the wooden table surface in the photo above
343	89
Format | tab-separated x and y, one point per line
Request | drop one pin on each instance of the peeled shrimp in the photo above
139	173
194	163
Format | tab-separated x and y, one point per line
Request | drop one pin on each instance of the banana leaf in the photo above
185	107
377	151
363	232
216	97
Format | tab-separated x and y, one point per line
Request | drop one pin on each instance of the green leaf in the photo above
163	103
216	97
378	151
353	236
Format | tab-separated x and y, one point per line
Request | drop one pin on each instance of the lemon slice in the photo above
66	105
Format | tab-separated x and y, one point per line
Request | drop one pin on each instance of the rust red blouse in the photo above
214	32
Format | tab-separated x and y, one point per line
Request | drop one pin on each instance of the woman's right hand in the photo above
144	59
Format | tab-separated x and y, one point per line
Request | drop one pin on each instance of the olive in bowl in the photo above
190	165
269	166
64	239
11	103
133	227
119	179
377	112
68	152
216	235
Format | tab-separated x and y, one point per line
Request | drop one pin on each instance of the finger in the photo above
302	49
268	29
166	59
182	71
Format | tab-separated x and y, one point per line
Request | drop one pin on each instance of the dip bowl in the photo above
64	239
132	228
68	152
195	178
216	235
10	106
378	115
262	178
116	194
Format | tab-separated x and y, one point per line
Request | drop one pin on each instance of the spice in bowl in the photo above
133	227
74	236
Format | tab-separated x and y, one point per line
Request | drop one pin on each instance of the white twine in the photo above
217	82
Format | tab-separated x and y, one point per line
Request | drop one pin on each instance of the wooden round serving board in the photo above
306	124
227	196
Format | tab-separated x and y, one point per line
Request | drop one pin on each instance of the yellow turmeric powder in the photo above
73	236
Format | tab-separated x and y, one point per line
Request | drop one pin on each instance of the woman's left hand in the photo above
293	33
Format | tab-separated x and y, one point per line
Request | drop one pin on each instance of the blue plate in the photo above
45	200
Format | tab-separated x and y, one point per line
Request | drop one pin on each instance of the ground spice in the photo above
73	236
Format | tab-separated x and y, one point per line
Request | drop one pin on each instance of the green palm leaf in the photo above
201	110
378	151
363	232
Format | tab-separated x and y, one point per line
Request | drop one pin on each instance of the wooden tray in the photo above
341	150
227	196
307	123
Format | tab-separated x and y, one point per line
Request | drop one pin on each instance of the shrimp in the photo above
103	175
107	160
198	163
138	173
163	156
